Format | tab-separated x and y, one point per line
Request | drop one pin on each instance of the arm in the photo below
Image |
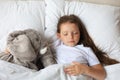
96	71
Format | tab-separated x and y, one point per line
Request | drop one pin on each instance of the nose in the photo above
71	35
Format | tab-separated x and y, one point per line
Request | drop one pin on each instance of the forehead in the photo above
69	26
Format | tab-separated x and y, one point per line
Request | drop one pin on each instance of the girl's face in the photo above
69	34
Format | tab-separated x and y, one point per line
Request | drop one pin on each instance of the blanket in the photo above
24	49
10	71
52	72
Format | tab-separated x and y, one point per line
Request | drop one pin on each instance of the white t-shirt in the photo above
66	54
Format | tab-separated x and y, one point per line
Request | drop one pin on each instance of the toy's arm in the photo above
48	58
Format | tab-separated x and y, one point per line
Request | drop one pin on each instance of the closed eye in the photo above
75	32
65	33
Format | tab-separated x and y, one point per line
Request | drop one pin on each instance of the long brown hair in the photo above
85	39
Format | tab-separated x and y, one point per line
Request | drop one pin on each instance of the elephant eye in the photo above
37	39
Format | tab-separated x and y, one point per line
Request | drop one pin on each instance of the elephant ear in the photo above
35	38
22	49
13	35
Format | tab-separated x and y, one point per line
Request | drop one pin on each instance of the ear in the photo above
58	35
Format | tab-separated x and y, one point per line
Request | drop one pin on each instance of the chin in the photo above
71	45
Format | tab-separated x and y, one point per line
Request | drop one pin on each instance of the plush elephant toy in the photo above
29	49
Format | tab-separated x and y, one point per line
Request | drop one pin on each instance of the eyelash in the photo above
65	34
75	32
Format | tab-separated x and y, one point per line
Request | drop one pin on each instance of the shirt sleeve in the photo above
92	59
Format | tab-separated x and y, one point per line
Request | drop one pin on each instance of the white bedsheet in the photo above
113	72
9	71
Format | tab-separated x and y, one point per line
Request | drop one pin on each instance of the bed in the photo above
101	18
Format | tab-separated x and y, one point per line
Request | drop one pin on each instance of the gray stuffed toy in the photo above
28	48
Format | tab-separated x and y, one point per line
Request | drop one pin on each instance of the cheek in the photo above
63	38
77	37
60	36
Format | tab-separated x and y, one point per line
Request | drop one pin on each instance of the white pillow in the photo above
54	9
103	25
19	15
101	21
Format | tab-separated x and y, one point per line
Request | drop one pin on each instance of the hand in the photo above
75	69
97	71
7	51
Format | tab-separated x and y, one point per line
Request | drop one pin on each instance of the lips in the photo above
71	41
